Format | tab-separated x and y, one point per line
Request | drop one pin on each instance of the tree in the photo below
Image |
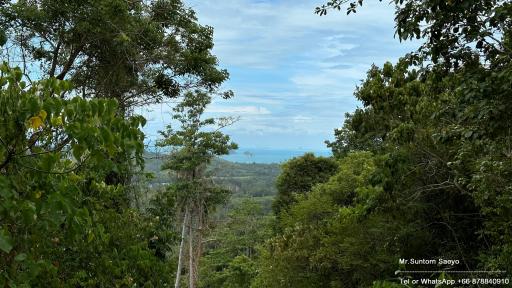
330	236
232	250
466	56
298	176
137	52
61	224
193	148
455	32
437	180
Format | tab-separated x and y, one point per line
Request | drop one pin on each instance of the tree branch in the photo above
54	59
69	63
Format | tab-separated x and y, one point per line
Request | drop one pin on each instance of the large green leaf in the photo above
5	241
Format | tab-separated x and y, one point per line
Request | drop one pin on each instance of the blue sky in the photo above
293	72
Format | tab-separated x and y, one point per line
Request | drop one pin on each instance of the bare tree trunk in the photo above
191	260
180	257
199	239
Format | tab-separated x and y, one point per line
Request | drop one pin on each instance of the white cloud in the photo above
244	110
293	72
263	34
301	119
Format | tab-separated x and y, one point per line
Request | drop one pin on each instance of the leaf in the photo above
42	114
5	241
57	121
90	237
78	151
66	85
28	212
20	257
35	122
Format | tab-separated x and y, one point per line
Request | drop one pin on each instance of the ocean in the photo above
259	155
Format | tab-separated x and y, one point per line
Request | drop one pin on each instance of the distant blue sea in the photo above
258	155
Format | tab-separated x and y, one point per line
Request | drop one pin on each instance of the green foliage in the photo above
455	32
437	181
195	194
193	146
455	142
421	170
137	52
298	176
244	179
230	256
330	238
66	162
61	224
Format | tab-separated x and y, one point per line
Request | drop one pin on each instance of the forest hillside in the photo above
254	181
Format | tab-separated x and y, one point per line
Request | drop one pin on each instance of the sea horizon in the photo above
270	155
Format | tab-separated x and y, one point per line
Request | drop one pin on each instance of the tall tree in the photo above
437	183
61	225
298	176
194	145
467	49
137	52
231	252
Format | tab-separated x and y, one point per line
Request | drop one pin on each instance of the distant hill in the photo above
245	180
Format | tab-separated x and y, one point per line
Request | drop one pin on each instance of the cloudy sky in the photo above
293	72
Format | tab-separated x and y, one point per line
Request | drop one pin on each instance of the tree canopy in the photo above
298	176
61	224
137	52
70	146
424	164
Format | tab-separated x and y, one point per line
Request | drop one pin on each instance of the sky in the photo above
293	72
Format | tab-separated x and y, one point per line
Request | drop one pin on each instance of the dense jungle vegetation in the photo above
422	170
